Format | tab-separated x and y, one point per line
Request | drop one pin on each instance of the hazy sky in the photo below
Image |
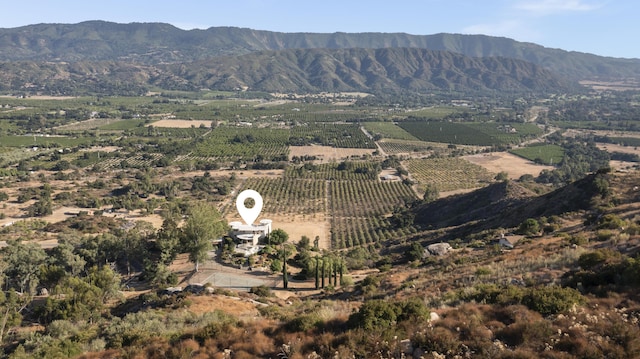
602	27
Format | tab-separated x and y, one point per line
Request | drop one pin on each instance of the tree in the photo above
11	306
285	275
502	176
278	236
23	265
416	252
431	193
204	223
305	243
168	241
317	272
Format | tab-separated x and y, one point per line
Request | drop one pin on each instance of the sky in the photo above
601	27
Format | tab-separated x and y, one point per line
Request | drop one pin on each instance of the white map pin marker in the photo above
249	215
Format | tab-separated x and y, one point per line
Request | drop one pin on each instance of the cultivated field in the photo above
181	123
515	166
326	153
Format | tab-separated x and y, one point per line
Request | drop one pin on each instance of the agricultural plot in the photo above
367	198
347	171
396	147
544	154
626	141
244	143
476	133
125	124
283	196
343	135
357	207
181	123
515	166
388	130
360	211
14	155
447	174
43	141
350	232
436	112
137	161
326	153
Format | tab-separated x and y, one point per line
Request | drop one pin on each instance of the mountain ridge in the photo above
387	70
158	43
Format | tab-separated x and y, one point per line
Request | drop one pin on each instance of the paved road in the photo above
222	276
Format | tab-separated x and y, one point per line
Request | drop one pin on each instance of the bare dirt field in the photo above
622	85
609	147
515	166
326	153
620	165
181	123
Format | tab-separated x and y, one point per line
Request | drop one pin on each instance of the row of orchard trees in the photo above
83	273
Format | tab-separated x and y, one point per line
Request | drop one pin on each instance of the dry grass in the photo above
515	166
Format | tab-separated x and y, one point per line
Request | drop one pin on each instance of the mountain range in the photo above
156	54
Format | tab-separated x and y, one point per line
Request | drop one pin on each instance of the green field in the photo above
544	154
41	141
388	130
471	133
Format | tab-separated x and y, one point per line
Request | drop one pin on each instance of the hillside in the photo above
507	204
374	70
155	43
302	70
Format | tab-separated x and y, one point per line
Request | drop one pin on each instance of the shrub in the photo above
552	299
529	227
374	315
578	239
531	334
604	235
592	259
302	323
610	221
261	291
483	271
437	339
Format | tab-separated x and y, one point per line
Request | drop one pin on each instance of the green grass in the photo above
545	154
38	141
471	133
388	130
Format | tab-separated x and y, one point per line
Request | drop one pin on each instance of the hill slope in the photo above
300	70
507	204
154	43
374	70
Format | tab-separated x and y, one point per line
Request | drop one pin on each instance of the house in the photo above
506	243
250	234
